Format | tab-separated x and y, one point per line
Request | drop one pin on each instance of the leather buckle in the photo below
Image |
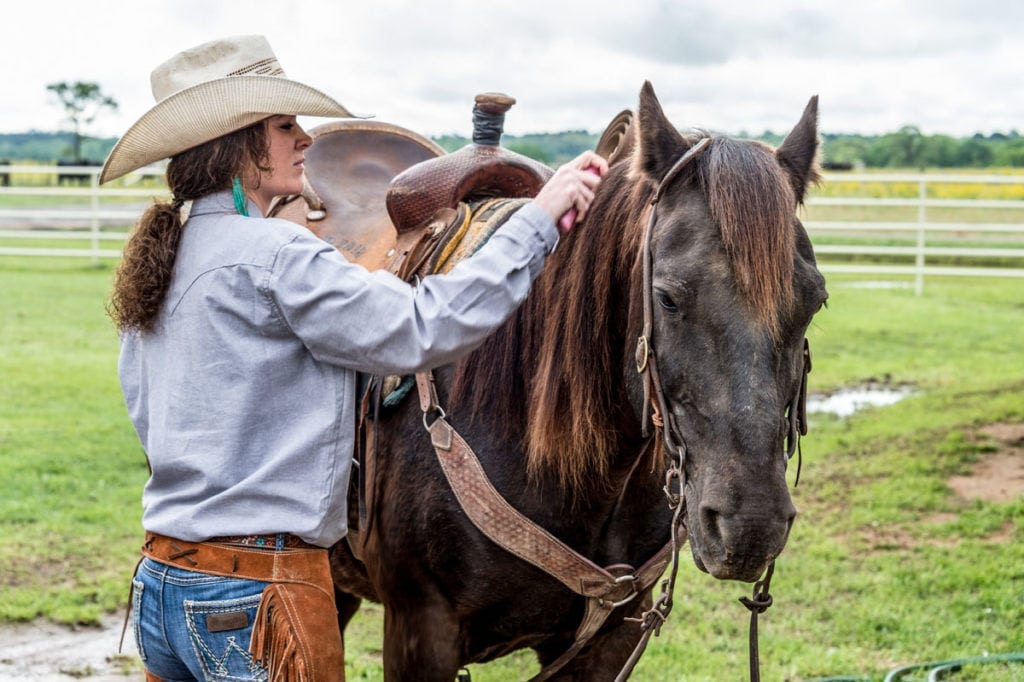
440	433
629	580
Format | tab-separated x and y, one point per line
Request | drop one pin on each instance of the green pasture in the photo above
885	566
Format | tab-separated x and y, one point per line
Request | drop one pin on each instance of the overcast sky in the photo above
745	66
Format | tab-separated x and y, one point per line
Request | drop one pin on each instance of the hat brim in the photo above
206	111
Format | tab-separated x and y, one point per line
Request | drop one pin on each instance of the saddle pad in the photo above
481	221
469	228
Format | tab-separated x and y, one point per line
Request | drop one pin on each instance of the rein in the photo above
647	366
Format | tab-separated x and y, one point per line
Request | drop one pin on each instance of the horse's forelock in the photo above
751	199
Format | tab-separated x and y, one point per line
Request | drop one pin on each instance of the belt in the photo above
276	541
308	566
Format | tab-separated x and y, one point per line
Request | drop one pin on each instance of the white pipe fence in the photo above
102	216
75	221
970	233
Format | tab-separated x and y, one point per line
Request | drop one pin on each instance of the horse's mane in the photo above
555	367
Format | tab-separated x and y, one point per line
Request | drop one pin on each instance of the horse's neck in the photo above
638	510
596	518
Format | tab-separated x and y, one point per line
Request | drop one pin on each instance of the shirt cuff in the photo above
541	223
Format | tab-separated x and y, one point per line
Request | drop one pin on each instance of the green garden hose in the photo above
938	670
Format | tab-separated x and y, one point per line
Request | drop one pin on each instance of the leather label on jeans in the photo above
221	622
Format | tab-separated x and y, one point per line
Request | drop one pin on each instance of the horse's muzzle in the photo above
738	544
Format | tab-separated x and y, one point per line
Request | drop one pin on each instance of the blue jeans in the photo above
194	626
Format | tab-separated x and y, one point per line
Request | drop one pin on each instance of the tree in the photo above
940	151
82	103
975	153
1011	154
850	149
909	145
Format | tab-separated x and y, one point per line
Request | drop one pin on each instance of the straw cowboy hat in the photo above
209	91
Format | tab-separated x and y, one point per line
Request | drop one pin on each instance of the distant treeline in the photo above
906	148
52	147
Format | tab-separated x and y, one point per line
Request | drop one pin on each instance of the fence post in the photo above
922	220
94	225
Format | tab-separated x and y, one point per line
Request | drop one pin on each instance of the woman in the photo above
241	337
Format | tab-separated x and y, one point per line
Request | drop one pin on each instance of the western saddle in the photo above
388	198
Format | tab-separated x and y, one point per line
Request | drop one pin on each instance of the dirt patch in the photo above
46	651
997	476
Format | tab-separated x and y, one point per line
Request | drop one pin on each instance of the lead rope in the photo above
761	599
758	604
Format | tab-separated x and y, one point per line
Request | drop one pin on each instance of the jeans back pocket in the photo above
220	632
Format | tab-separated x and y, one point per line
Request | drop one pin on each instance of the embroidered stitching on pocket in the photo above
221	655
137	588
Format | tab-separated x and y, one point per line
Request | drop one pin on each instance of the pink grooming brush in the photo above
567	220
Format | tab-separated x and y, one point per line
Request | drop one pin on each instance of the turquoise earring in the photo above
241	204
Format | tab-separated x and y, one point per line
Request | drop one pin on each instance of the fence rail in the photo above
1011	234
100	222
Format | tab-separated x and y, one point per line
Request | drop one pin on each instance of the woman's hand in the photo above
572	188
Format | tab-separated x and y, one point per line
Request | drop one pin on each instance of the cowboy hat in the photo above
209	91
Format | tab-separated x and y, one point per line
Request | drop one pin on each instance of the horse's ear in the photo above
658	144
798	153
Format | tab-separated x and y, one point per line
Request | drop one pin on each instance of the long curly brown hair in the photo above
147	263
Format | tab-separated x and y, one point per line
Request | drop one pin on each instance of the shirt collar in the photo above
220	203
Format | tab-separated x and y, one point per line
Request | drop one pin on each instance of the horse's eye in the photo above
666	302
820	307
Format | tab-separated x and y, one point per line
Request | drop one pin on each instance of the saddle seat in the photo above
348	170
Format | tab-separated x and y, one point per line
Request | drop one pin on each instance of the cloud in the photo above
675	33
947	66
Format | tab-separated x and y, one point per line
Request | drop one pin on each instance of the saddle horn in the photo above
489	117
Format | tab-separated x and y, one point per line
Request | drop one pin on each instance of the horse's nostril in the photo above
791	519
709	523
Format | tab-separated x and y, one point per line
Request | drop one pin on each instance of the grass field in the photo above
886	564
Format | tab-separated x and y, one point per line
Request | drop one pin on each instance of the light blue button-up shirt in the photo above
244	395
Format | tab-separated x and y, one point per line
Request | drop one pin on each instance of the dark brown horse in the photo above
555	408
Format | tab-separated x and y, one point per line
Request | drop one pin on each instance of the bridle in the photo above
654	400
656	413
646	362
